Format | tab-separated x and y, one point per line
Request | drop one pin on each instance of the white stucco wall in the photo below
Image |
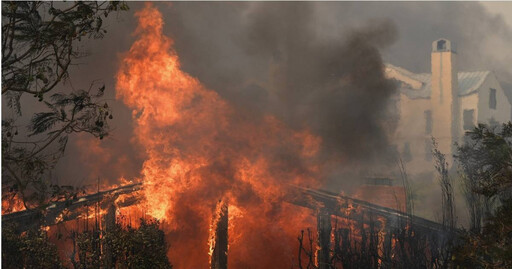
502	112
411	130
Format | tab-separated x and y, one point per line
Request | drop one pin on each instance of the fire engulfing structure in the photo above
349	232
200	151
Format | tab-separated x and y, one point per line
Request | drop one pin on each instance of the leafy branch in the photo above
39	44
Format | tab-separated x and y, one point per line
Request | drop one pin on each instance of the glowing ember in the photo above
12	204
200	150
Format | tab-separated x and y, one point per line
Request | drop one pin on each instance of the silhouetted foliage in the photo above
486	166
306	251
445	181
141	247
130	247
29	250
486	157
491	248
39	44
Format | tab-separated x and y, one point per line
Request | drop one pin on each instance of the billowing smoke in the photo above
280	65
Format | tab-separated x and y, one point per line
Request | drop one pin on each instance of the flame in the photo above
201	150
60	218
234	214
213	226
12	204
93	213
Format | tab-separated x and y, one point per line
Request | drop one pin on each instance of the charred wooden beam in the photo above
354	209
341	206
219	259
386	248
28	219
109	221
345	246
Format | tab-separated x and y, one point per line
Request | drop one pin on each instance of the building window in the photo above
428	149
406	153
469	115
492	98
428	122
441	45
493	123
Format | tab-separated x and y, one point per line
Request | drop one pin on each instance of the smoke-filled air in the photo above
309	135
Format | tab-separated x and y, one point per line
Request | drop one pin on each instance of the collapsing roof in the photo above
420	85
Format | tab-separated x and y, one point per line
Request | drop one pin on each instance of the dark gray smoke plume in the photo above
276	63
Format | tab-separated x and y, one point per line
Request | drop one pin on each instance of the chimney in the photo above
444	96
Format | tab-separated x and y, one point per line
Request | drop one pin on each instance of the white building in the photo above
443	104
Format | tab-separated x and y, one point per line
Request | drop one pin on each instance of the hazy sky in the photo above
503	8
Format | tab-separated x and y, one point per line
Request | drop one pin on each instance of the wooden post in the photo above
220	251
324	238
387	248
346	259
110	223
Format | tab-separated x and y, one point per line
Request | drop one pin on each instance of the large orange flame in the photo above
201	150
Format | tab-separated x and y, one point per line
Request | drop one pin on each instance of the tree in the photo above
141	247
486	156
447	201
485	159
39	44
29	250
491	248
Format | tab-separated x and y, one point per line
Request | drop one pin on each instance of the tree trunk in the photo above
110	222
